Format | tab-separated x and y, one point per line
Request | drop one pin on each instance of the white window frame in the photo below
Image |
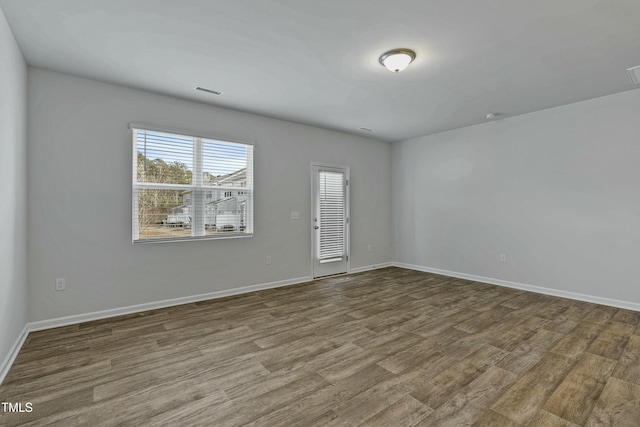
198	231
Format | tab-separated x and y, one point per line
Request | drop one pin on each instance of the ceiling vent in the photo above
204	89
634	74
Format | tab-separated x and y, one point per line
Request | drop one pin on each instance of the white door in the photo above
330	224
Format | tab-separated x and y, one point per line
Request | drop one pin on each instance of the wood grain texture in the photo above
618	405
576	395
386	347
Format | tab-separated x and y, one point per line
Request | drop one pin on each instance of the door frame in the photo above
347	195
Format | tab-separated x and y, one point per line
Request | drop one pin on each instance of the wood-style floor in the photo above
391	347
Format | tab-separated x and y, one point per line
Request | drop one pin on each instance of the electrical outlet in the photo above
369	248
268	259
503	258
61	285
295	215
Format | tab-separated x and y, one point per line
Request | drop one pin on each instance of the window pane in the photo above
332	215
223	163
164	158
163	214
226	212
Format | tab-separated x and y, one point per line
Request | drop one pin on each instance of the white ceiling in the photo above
317	62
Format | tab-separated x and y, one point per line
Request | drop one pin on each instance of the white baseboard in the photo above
97	315
370	267
86	317
537	289
104	314
13	353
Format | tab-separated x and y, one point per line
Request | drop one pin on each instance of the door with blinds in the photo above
330	222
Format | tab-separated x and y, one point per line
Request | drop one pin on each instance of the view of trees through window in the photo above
154	205
190	187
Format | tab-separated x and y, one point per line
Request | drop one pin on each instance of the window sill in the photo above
192	239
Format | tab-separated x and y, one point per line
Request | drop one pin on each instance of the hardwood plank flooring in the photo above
390	347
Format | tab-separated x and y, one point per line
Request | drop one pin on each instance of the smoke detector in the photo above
634	74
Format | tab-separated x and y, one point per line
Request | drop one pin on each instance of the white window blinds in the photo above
332	215
189	187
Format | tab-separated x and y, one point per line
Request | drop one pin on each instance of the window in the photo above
187	187
332	216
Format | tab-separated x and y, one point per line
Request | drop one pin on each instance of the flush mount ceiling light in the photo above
397	60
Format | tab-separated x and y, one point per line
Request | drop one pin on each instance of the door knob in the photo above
315	227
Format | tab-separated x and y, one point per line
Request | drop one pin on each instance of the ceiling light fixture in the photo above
397	60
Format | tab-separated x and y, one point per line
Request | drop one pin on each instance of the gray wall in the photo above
558	191
13	190
79	193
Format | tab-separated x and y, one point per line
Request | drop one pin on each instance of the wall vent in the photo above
204	89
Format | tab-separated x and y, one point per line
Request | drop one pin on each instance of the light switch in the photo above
295	215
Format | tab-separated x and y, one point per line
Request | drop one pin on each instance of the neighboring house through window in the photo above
187	187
